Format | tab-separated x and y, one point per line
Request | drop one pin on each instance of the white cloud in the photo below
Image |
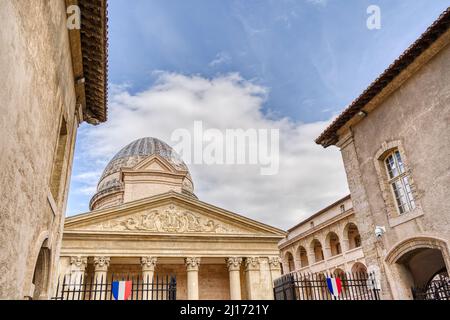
310	177
318	2
87	176
221	58
87	191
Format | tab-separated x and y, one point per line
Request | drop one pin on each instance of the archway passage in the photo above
303	257
334	244
359	269
41	274
316	246
353	236
290	260
426	272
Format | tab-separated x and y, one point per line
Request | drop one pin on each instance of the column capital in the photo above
274	263
234	263
101	263
148	263
251	264
192	263
78	262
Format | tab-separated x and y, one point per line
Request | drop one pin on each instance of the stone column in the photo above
311	257
148	270
234	268
101	265
275	268
252	278
192	265
77	272
148	265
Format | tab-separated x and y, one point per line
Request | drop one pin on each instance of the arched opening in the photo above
359	270
41	274
438	288
416	263
424	271
334	244
290	261
353	236
303	257
339	273
316	246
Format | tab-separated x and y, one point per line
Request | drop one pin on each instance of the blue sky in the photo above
312	58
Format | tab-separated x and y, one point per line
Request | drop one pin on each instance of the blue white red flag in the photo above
121	290
335	286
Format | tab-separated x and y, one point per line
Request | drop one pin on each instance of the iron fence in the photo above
89	287
314	286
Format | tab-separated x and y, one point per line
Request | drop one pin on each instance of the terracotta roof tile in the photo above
94	44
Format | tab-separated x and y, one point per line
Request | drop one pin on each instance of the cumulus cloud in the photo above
309	177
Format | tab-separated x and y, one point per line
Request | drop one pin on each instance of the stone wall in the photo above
37	91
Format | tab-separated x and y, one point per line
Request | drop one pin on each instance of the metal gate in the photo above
313	286
437	289
88	287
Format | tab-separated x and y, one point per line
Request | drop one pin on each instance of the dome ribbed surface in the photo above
134	153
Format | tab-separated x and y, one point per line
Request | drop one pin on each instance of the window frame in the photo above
390	205
396	173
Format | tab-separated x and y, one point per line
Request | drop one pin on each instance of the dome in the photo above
131	155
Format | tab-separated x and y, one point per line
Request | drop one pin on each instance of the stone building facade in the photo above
146	221
53	78
327	242
395	143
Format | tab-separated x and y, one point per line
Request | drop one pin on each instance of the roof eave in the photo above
89	48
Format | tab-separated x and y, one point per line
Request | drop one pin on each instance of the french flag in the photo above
335	286
121	290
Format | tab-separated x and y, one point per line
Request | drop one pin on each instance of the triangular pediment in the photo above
154	163
168	214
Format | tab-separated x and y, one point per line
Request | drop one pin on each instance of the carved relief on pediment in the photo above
170	219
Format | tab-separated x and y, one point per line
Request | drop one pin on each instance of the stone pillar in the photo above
252	268
101	265
326	252
365	219
311	257
275	268
148	265
192	265
77	272
234	268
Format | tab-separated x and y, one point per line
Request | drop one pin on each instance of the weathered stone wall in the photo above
415	118
37	89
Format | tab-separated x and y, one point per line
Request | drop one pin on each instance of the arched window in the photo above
353	236
399	181
334	244
303	257
316	246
